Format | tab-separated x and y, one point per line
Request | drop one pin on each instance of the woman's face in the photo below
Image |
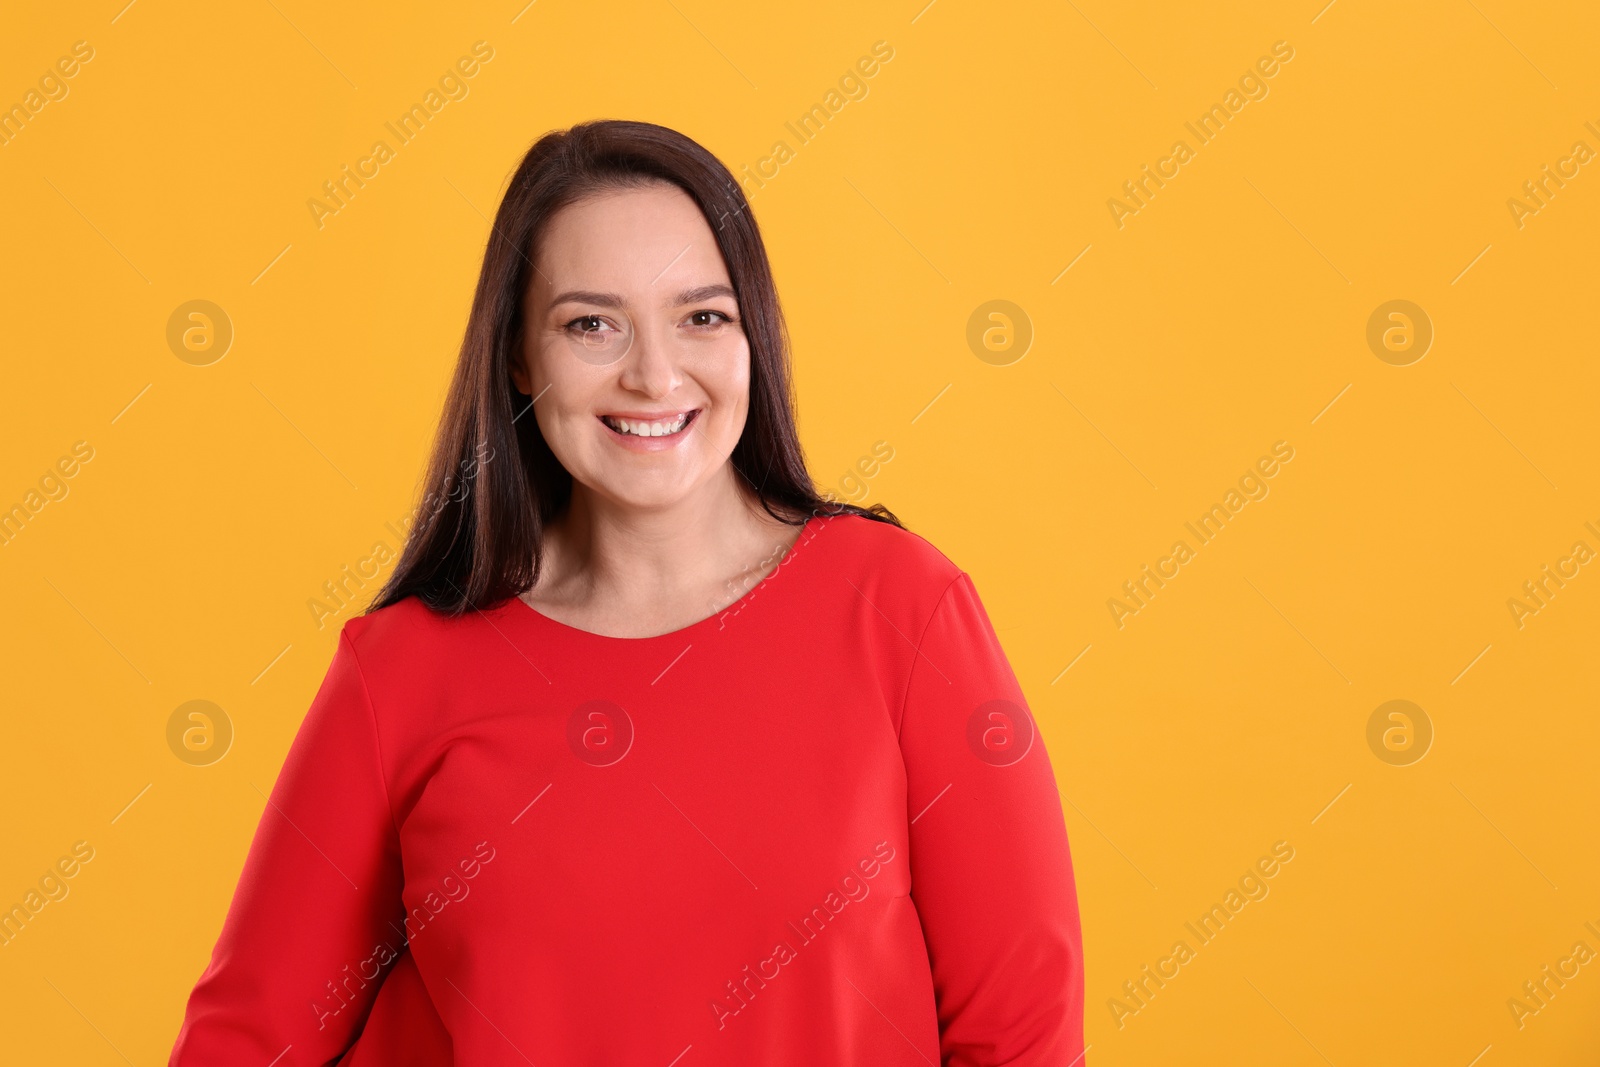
634	350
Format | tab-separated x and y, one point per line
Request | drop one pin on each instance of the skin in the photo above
653	541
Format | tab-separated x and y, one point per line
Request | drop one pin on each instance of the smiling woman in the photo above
550	668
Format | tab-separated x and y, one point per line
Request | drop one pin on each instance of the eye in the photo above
708	319
587	324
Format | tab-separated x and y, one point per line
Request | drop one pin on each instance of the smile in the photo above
664	426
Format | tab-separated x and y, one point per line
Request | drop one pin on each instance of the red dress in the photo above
815	828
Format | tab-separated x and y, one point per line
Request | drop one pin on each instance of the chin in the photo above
644	494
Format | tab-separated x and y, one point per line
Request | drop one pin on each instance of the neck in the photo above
649	561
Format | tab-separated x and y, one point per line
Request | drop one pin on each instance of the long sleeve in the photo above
294	972
991	875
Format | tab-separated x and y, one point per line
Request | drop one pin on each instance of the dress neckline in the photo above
807	531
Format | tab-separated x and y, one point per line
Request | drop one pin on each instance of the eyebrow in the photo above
613	300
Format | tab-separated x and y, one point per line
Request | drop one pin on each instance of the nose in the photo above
650	367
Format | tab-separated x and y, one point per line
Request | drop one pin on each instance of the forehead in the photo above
638	240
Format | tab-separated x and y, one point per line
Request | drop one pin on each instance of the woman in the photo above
647	753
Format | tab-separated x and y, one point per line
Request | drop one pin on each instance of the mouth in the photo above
666	425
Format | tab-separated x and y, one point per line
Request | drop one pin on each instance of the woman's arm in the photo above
991	875
297	965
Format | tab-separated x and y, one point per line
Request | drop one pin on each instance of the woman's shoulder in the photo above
407	631
895	553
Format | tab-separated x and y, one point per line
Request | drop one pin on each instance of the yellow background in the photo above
1228	314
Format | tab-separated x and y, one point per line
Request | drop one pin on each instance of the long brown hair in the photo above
493	482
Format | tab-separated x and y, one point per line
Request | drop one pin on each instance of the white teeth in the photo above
639	428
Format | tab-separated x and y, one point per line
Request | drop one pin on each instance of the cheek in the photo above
731	376
563	401
537	364
557	378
